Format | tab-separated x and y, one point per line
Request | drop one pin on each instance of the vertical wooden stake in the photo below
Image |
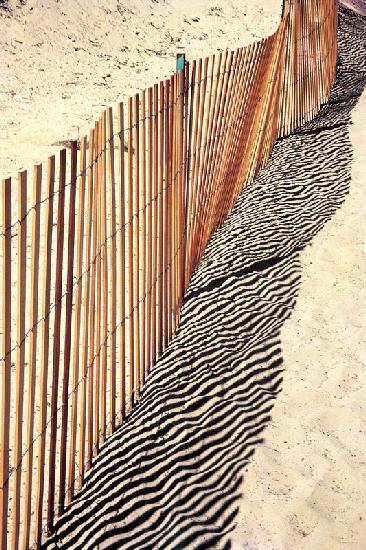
122	260
149	237
130	222
68	323
78	316
21	299
45	347
113	269
104	276
96	360
85	305
5	357
160	271
56	340
154	327
136	248
37	180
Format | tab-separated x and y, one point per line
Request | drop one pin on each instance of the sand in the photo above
306	486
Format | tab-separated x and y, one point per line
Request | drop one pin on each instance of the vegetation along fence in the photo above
98	247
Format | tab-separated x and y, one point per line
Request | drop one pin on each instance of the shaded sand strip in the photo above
171	477
306	487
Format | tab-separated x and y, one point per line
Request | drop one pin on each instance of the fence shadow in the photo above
170	476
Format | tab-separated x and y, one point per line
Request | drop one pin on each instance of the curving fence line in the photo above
98	247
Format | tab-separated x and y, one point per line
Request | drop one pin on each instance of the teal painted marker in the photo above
181	62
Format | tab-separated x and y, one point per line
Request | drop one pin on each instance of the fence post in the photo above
32	369
181	179
5	363
20	360
56	340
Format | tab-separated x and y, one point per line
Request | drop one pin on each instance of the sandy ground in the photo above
306	486
62	62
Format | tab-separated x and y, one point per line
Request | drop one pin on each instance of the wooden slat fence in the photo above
98	247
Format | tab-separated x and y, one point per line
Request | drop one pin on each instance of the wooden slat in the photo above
122	260
175	193
166	199
189	115
136	243
76	351
45	339
37	180
5	357
172	170
149	236
196	115
85	316
96	360
105	278
143	171
155	224
56	340
130	252
68	325
181	193
112	270
176	184
20	356
190	154
186	138
160	269
92	307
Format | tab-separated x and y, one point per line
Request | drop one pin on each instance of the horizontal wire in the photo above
102	345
